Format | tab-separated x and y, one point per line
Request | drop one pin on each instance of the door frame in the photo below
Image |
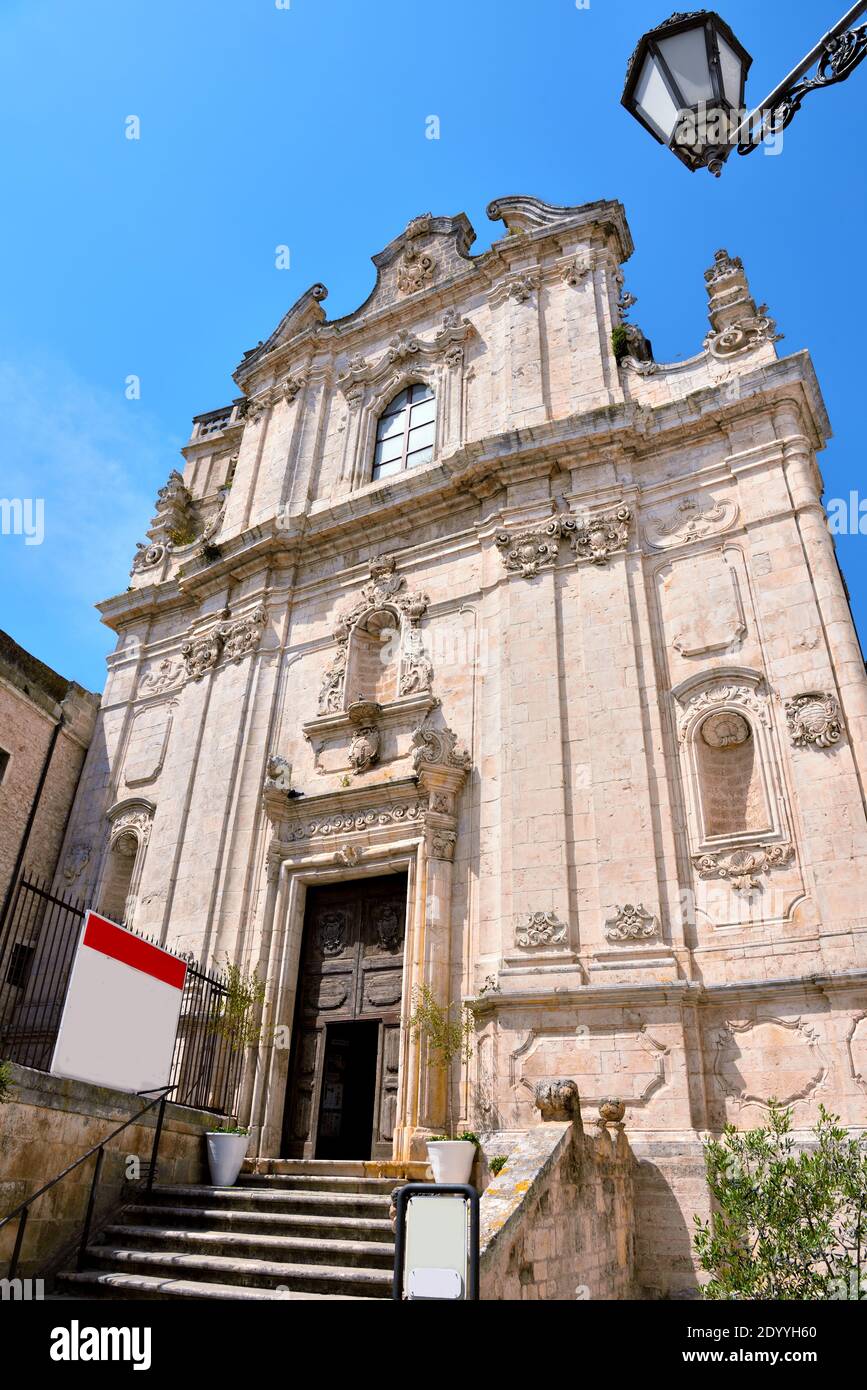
394	1016
408	826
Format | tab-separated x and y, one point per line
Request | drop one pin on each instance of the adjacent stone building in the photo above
473	648
46	724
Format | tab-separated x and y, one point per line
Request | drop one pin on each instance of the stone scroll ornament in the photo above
541	929
744	868
631	923
814	720
599	537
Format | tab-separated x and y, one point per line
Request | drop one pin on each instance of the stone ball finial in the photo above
611	1112
557	1099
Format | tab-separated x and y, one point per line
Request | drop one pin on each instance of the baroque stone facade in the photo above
586	673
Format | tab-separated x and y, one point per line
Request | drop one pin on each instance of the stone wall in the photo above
33	698
51	1121
557	1222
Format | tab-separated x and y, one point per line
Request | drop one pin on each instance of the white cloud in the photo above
97	460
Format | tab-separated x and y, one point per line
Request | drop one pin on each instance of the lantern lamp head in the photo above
685	84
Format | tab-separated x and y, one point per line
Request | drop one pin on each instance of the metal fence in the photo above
38	940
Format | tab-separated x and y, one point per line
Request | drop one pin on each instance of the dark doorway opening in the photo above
346	1111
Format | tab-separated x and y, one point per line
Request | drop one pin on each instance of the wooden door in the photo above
351	972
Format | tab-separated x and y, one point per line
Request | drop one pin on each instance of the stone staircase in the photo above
292	1230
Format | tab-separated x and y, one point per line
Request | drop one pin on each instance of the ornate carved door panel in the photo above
351	973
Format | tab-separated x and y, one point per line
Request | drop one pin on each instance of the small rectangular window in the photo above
4	763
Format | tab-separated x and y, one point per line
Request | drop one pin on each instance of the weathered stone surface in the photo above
589	620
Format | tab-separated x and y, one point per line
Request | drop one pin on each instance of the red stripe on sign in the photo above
112	940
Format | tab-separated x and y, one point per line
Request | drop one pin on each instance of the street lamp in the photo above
685	84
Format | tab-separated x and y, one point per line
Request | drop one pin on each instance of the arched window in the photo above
405	431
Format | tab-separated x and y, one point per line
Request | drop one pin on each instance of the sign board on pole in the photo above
120	1016
436	1242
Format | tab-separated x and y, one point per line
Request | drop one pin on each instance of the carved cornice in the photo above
594	537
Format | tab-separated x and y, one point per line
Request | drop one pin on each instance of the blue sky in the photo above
305	126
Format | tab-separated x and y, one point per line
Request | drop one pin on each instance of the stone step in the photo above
254	1199
98	1283
314	1182
287	1249
400	1170
246	1273
269	1222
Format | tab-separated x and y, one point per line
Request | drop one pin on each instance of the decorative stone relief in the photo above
415	271
737	326
278	775
163	675
441	844
814	719
292	385
631	923
527	552
540	929
76	862
708	700
148	554
557	1099
385	589
416	666
725	730
349	856
136	820
342	824
744	868
233	637
574	271
242	635
404	347
690	519
439	747
597	538
201	654
747	333
364	748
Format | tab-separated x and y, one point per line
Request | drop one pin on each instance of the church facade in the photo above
473	649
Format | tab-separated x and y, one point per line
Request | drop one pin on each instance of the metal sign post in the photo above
436	1252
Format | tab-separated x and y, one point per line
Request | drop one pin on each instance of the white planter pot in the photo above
451	1159
226	1153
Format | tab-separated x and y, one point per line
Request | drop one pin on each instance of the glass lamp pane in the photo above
686	55
732	71
653	100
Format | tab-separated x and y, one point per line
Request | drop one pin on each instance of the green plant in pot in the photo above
448	1032
237	1021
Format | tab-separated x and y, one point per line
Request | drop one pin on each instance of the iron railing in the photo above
22	1211
37	945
